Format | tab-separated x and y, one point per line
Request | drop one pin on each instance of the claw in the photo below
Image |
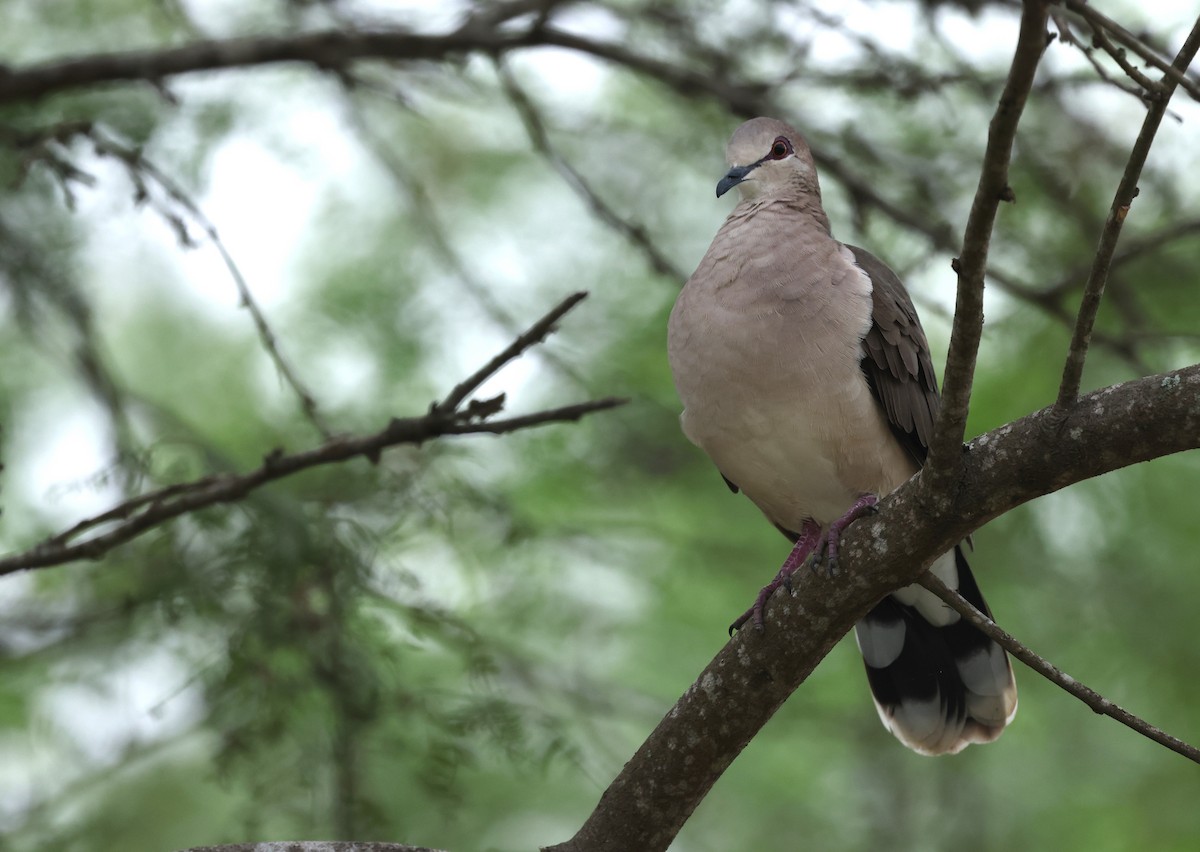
814	562
810	536
864	505
812	549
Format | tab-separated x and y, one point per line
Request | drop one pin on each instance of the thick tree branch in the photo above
325	49
1127	190
971	266
337	50
1052	673
752	675
447	417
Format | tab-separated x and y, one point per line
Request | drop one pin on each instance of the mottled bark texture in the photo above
751	677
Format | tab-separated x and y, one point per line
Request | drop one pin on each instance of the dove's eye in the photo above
780	148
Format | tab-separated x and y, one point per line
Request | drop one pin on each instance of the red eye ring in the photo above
780	148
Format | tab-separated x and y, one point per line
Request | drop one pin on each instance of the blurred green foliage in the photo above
461	645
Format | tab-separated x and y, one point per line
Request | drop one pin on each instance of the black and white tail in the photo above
939	684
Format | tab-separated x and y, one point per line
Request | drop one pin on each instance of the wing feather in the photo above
896	360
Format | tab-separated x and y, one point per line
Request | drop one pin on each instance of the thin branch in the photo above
1119	56
448	417
535	334
137	165
1102	72
1134	249
535	128
424	208
747	681
143	513
41	145
1052	673
1127	190
946	445
336	50
1099	22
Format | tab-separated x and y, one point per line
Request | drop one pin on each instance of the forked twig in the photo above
1052	673
1127	190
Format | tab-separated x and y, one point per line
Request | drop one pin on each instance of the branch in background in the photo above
1127	190
535	127
1052	673
47	146
31	278
426	216
945	447
749	679
750	99
448	417
337	50
1099	24
1134	249
139	168
325	49
535	334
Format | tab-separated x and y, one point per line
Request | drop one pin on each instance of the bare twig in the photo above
946	445
1099	22
448	417
140	167
1127	190
141	172
426	215
1120	57
1052	673
540	139
535	334
143	513
1089	54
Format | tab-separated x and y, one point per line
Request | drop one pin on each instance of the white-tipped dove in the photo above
806	378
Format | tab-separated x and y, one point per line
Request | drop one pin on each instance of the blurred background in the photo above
460	646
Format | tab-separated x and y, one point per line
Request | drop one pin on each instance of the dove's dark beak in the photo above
733	177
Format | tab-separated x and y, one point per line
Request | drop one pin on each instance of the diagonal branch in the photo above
1052	673
749	679
144	174
533	335
1134	249
971	265
425	214
535	129
1101	23
138	168
336	50
1127	190
143	513
448	417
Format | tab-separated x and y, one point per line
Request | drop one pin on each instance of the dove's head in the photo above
768	158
